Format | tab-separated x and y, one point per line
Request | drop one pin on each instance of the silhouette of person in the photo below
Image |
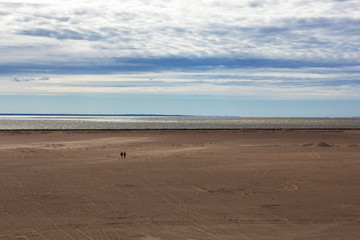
121	154
124	154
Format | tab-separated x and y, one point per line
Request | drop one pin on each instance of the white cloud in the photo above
263	83
46	36
271	29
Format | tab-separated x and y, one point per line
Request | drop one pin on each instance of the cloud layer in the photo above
250	83
274	29
275	48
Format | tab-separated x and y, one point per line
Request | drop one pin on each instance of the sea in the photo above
153	122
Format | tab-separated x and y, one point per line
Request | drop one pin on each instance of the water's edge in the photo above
115	123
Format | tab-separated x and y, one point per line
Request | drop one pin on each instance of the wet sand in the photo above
180	185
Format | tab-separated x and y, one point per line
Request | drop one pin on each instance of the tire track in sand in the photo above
210	226
192	205
179	211
11	184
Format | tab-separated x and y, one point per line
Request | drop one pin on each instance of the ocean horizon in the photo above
16	121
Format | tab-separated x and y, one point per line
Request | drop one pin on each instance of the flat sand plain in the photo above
180	185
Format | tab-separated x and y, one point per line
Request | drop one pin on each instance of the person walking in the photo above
124	154
121	154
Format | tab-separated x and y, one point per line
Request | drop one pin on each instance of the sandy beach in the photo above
208	184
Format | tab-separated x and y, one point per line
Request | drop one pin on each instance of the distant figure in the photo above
124	154
121	154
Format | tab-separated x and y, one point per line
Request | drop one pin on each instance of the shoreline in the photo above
179	129
95	123
160	115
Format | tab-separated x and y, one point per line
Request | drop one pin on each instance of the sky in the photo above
249	58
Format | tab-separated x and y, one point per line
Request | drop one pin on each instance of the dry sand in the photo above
180	185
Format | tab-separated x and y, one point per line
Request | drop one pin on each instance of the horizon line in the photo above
153	115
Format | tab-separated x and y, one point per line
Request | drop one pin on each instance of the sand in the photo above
180	185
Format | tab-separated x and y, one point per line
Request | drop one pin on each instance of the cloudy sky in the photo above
206	57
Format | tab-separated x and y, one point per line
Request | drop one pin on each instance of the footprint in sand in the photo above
292	186
314	155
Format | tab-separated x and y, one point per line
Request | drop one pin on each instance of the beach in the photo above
180	184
